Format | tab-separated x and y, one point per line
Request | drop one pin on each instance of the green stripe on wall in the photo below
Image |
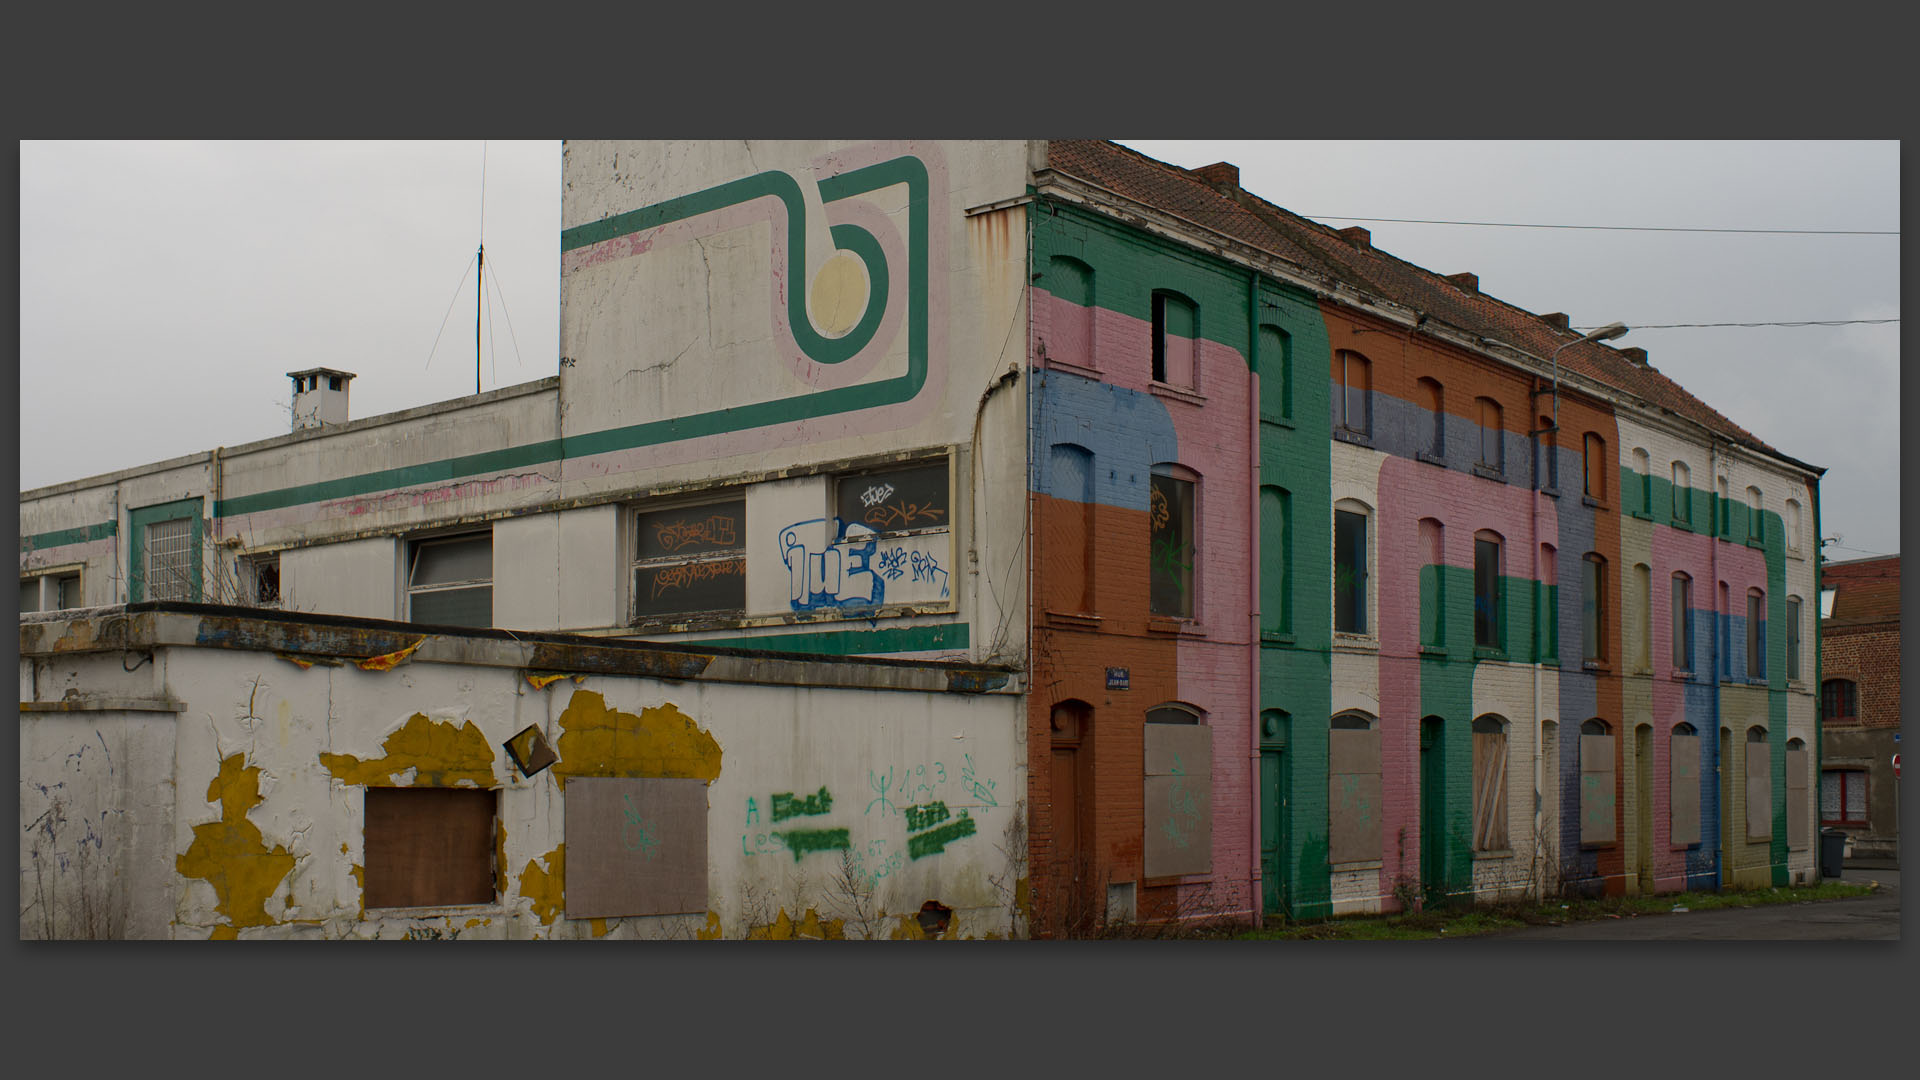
63	537
854	642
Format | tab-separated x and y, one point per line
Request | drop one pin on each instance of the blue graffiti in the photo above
893	563
926	568
842	575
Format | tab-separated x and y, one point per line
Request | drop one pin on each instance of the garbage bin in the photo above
1833	852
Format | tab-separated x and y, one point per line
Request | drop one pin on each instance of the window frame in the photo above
1756	519
376	886
1593	601
1594	464
1682	479
1492	417
1158	371
1490	807
637	564
1643	468
1362	588
49	580
1865	784
178	581
1188	578
1847	691
1756	635
1434	404
1793	616
1680	605
1489	596
416	545
1344	421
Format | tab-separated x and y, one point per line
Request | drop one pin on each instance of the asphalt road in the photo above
1869	918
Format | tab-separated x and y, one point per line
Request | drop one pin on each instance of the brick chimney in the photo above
1464	282
1557	320
1220	174
1637	356
1357	236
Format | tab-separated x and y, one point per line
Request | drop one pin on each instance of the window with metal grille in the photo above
450	580
1843	797
169	560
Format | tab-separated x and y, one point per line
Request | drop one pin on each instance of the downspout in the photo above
1819	719
1539	601
1254	868
1713	676
213	520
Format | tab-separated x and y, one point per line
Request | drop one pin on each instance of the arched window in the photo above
1682	494
1546	608
1070	535
1070	339
1791	523
1276	374
1726	507
1597	800
1550	452
1276	560
1178	748
1490	783
1759	784
1799	806
1433	432
1176	333
1352	393
1351	566
1353	787
1489	595
1595	459
1642	618
1838	700
1756	634
1493	443
1756	525
1593	608
1642	470
1433	583
1682	623
1793	639
1173	547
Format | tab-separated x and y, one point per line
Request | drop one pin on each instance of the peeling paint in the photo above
546	888
303	664
541	682
811	927
710	932
599	928
441	755
230	854
224	933
660	742
389	661
499	855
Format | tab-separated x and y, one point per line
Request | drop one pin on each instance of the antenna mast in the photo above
480	291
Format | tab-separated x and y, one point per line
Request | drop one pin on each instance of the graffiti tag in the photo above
842	575
686	574
893	563
786	806
717	530
935	841
876	494
636	834
972	784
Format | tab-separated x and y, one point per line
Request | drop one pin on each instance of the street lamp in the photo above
1604	333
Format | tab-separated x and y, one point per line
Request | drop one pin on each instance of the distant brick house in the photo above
1860	702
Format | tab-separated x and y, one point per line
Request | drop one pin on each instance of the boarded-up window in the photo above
1683	795
1596	789
1759	785
905	500
1179	794
429	847
1489	784
635	847
690	559
1353	794
1798	807
1071	280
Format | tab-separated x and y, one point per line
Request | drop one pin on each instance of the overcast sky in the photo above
175	284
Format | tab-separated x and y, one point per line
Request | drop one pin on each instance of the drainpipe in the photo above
1539	596
1254	868
1713	676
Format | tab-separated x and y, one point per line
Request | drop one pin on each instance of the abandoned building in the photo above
951	539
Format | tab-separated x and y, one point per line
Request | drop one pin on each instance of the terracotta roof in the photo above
1865	590
1314	247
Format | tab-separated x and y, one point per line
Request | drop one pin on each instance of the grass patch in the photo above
1492	918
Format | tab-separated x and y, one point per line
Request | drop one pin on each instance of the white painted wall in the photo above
358	577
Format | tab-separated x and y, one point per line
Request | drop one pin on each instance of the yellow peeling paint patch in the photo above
546	888
1023	897
599	928
224	933
710	932
389	661
471	923
299	662
660	742
230	854
810	928
908	930
499	855
541	682
441	754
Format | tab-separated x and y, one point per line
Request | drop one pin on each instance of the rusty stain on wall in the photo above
230	854
441	755
546	888
660	742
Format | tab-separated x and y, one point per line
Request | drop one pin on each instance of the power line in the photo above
1809	322
1612	228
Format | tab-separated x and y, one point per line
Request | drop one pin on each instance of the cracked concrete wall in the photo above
243	815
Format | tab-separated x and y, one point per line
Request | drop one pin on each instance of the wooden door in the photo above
1068	901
